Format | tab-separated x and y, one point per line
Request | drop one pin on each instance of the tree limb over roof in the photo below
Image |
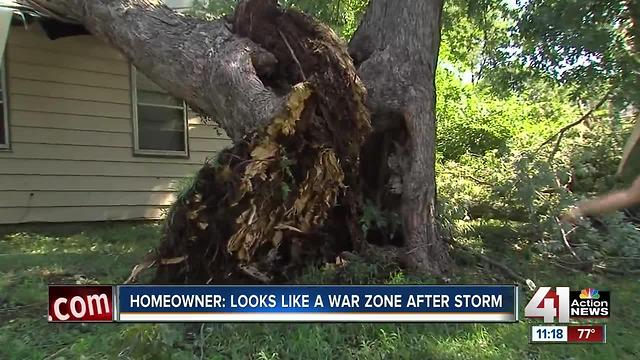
54	24
32	8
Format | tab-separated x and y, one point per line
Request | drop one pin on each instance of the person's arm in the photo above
607	203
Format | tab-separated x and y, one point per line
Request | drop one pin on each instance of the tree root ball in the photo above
286	195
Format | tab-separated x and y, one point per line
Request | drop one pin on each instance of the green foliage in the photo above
373	217
342	15
467	122
184	186
286	166
212	9
490	167
474	34
523	185
474	120
591	45
154	341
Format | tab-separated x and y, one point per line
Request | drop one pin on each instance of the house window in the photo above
159	119
4	112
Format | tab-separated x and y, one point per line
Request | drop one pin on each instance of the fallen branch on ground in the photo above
588	267
565	239
508	271
617	271
564	267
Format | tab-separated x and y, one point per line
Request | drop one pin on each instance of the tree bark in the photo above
212	69
396	51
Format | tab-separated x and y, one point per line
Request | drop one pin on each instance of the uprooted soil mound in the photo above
287	195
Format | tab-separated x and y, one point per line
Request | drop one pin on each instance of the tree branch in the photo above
565	239
505	269
565	128
202	62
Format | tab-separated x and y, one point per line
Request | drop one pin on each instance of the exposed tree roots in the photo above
289	194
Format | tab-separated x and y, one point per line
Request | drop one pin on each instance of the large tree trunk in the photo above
286	91
396	49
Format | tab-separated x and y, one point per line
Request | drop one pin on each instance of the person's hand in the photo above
571	216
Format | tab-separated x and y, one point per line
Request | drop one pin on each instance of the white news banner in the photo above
549	334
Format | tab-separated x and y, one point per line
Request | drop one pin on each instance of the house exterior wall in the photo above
71	142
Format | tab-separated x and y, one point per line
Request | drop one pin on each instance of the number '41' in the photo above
548	304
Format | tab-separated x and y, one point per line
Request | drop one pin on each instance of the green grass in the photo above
32	257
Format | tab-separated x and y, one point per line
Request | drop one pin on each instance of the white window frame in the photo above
5	107
136	139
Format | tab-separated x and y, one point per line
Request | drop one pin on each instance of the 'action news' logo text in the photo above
562	304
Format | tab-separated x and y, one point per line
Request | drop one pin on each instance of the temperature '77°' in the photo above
584	333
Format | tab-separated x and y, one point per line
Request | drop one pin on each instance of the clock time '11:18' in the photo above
547	333
550	333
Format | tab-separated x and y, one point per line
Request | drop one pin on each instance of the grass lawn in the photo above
31	257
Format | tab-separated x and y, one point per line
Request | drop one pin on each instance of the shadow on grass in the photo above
32	257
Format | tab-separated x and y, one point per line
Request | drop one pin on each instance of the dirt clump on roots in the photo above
287	195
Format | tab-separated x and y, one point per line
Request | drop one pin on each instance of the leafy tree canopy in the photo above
591	44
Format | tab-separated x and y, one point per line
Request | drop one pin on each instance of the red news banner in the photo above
586	334
81	303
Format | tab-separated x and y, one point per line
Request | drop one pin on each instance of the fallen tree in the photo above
284	88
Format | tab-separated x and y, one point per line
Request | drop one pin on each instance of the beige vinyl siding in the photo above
93	167
93	213
36	198
97	153
68	91
70	183
67	76
71	156
54	58
84	46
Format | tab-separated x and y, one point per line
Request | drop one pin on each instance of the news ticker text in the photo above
300	303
